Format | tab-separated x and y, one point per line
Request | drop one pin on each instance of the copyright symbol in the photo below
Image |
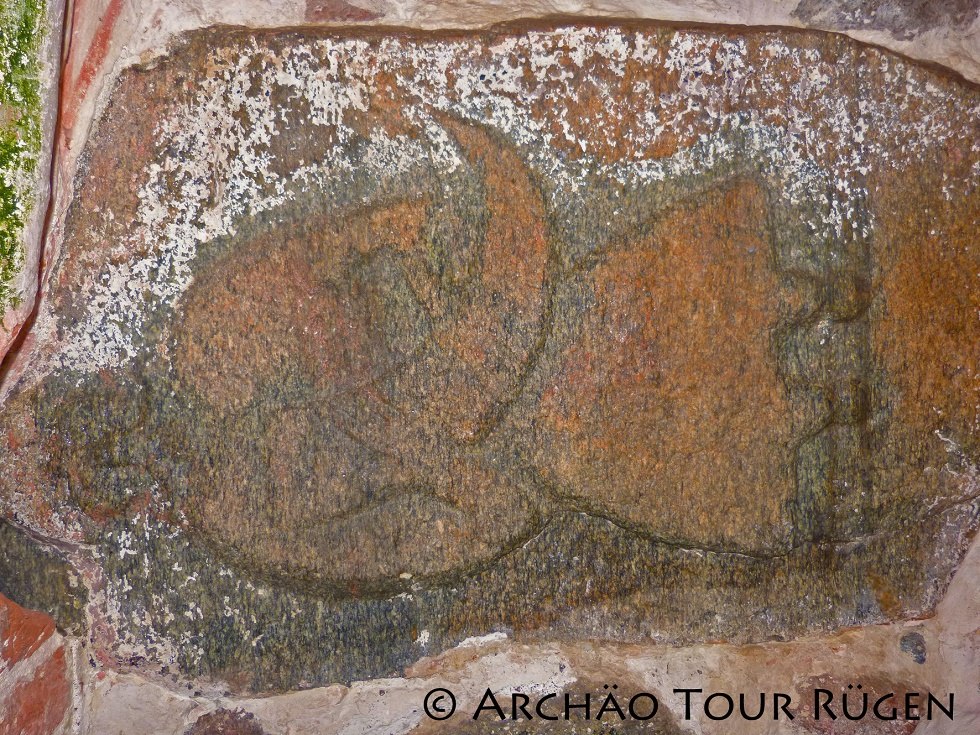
439	704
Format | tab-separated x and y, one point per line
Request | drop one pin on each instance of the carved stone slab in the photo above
364	344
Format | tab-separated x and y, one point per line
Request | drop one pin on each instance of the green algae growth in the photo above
21	36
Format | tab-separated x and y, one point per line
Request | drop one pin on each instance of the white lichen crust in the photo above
815	139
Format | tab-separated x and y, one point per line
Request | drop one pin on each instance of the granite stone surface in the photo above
35	692
361	344
41	578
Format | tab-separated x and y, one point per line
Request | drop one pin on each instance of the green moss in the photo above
21	34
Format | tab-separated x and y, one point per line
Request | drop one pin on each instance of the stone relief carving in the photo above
375	337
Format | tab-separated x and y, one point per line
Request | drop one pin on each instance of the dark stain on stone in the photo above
226	722
915	646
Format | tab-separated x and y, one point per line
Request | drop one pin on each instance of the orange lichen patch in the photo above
605	113
396	226
387	110
667	412
929	287
516	250
927	333
244	322
885	595
38	706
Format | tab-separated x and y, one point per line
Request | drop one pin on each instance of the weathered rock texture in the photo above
103	37
133	705
371	343
34	679
41	579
